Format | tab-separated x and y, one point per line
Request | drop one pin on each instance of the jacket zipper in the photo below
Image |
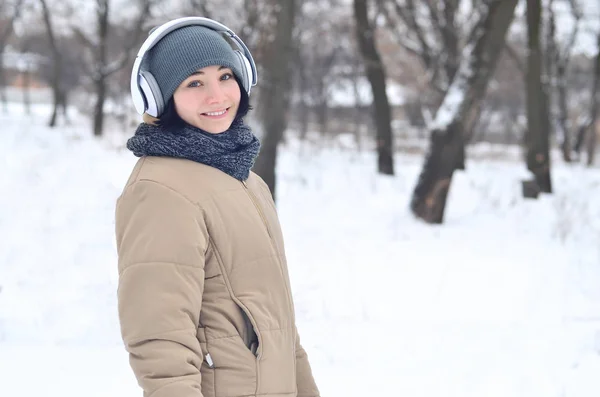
262	216
264	220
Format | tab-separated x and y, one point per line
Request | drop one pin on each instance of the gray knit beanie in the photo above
182	52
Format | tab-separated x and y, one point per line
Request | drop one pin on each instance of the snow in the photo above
502	300
343	94
21	61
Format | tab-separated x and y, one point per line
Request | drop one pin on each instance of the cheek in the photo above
177	99
182	101
235	94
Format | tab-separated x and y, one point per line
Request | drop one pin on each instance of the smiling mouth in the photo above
216	115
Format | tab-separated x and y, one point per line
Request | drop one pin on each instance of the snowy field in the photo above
503	300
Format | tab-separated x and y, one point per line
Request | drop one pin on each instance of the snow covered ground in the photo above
502	300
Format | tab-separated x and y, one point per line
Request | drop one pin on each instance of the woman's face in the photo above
208	99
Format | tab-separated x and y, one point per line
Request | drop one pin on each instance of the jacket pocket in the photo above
208	368
251	336
201	335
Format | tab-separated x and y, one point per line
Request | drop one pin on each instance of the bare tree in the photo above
319	69
25	69
594	104
275	88
200	6
103	67
435	32
432	33
365	33
58	93
537	133
460	110
6	30
559	57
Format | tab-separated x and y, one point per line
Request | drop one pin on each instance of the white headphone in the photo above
145	91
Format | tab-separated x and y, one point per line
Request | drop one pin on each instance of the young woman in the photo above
204	296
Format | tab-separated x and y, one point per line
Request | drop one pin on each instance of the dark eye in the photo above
227	76
194	84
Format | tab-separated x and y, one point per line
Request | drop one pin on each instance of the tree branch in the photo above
201	6
8	30
411	20
83	38
137	33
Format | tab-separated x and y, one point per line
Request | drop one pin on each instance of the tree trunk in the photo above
275	90
322	107
3	98
582	129
26	90
303	107
554	59
537	135
595	103
376	76
459	111
56	64
54	115
100	78
64	105
60	105
100	85
5	33
357	116
551	59
563	112
304	113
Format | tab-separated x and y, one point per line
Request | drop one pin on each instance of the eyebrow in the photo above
201	72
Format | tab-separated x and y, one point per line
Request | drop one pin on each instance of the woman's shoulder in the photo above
186	177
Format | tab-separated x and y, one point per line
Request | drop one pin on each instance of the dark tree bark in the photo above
563	112
3	98
538	116
322	94
581	136
100	77
595	103
365	33
5	33
460	111
303	106
357	114
26	80
557	60
57	93
555	70
275	90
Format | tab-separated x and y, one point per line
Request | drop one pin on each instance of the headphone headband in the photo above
161	31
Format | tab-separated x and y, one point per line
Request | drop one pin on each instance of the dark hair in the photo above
170	118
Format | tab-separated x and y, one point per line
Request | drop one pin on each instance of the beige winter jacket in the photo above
204	294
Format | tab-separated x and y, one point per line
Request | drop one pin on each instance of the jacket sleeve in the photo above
161	243
304	377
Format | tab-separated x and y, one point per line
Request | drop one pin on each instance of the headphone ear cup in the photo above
152	95
246	71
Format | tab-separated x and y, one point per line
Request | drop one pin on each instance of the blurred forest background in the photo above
393	76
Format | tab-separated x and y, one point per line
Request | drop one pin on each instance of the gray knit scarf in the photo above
233	151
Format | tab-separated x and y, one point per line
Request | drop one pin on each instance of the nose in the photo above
214	93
